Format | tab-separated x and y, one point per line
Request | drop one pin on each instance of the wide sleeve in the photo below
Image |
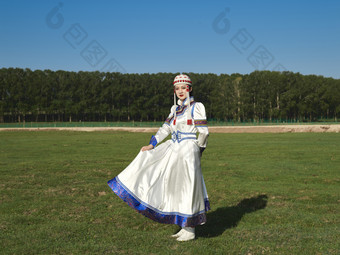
200	119
164	130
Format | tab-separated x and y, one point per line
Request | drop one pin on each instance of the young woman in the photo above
165	182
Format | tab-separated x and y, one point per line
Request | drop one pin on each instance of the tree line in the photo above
45	95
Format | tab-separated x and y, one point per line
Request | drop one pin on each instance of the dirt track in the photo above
221	129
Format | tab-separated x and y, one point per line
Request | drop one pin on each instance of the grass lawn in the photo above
269	193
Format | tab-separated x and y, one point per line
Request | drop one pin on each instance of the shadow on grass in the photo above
228	217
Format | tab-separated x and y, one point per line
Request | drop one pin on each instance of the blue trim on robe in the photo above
192	110
153	141
182	220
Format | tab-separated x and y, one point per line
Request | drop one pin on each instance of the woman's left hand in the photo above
147	148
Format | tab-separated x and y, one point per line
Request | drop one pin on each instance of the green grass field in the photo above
269	193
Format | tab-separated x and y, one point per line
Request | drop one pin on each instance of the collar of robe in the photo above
185	101
182	105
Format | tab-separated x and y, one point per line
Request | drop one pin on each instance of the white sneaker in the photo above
179	233
188	234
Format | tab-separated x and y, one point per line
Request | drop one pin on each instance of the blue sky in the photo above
172	36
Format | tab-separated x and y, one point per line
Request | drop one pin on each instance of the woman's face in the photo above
181	91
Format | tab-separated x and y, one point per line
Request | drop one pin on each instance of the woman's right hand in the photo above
147	148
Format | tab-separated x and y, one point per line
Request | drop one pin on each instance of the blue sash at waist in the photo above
180	136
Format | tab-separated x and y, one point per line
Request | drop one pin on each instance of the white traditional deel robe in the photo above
166	183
